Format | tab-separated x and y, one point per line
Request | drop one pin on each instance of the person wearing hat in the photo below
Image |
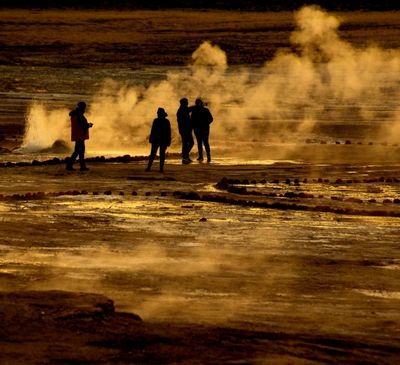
79	133
160	138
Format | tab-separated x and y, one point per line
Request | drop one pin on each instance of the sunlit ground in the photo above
177	260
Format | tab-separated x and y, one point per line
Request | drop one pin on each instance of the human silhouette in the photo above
160	137
79	133
185	129
201	119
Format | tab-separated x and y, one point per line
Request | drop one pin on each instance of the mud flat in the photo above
207	263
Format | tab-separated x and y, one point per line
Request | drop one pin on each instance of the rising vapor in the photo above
321	78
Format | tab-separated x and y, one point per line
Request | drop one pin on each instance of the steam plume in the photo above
322	78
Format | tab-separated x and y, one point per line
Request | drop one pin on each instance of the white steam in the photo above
44	127
322	78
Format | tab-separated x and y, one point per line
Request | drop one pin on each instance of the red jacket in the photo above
79	126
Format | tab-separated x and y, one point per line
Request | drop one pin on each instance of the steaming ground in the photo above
294	98
320	72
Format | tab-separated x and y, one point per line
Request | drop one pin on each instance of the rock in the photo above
53	305
192	195
59	146
203	219
237	190
223	184
36	163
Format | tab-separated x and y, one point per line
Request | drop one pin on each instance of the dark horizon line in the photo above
243	5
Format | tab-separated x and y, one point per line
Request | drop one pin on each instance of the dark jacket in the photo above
161	132
184	121
201	117
79	126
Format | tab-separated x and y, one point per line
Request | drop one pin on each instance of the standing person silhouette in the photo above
160	137
201	119
185	129
79	133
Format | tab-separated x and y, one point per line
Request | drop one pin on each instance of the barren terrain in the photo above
283	250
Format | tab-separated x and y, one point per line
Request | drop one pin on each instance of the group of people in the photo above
196	118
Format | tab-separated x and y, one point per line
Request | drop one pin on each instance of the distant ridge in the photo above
252	5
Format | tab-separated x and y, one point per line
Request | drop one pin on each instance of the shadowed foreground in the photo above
56	327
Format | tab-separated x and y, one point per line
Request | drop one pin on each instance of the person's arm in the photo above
83	122
180	120
152	132
210	117
168	133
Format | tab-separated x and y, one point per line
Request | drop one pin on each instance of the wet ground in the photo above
283	250
183	259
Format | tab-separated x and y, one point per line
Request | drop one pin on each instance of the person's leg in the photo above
153	152
206	134
162	157
184	146
190	144
81	153
198	135
72	158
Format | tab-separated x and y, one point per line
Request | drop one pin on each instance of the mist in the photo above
321	78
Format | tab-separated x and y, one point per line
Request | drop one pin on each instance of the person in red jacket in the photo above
79	133
160	137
